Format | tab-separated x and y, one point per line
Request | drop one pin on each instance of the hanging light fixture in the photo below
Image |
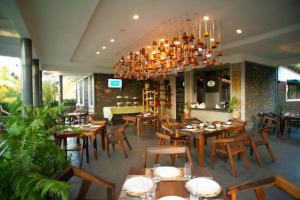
199	42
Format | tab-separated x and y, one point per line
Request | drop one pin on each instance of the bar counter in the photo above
211	114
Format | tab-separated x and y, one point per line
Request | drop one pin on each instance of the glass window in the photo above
293	90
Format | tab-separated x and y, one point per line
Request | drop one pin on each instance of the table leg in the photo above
103	132
201	141
94	141
138	127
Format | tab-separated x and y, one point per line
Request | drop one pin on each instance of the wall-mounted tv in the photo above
115	83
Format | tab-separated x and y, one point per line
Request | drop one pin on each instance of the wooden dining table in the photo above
202	134
141	119
89	131
168	187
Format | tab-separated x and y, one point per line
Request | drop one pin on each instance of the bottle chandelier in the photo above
195	43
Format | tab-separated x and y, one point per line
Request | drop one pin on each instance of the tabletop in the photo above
168	187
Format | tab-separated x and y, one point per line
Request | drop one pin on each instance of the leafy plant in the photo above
69	102
29	159
233	104
50	91
187	105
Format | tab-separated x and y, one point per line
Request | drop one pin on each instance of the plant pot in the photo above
236	114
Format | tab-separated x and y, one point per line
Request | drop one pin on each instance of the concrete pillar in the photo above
26	73
60	90
41	87
36	82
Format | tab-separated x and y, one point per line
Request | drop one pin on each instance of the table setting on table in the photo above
170	183
202	127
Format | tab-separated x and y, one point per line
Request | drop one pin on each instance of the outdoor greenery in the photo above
9	87
50	91
233	104
29	159
69	102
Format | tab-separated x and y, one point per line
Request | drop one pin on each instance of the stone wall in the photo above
105	96
260	87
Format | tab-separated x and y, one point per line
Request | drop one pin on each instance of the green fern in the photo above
29	160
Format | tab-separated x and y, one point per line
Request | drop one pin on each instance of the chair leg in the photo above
213	156
122	147
245	160
232	165
157	157
107	147
270	152
114	148
254	149
128	144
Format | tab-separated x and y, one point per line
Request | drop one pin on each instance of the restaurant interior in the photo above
151	100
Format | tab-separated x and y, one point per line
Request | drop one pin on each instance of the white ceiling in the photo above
67	33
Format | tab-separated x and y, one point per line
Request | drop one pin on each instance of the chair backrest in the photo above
88	179
167	150
170	127
193	119
129	118
259	184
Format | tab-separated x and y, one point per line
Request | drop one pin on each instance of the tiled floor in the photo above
115	168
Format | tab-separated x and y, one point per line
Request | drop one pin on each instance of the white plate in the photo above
171	198
167	172
136	186
203	187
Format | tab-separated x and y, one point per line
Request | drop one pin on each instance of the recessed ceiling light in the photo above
206	18
239	31
104	47
112	40
212	39
98	52
136	16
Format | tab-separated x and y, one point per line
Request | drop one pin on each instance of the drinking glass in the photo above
187	171
156	177
151	193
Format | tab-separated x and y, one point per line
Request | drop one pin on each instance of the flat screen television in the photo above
115	83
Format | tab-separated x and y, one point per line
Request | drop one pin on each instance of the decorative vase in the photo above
236	114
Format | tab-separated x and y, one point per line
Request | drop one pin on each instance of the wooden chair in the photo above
117	136
167	150
63	139
258	185
88	179
230	147
129	119
171	130
257	139
193	119
273	121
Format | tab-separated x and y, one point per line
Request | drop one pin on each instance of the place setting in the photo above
151	185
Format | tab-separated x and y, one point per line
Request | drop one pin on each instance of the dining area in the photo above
178	160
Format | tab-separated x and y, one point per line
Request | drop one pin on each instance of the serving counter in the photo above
210	115
108	112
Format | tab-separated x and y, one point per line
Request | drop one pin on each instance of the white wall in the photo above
285	74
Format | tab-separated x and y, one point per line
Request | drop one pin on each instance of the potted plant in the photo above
234	107
29	159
